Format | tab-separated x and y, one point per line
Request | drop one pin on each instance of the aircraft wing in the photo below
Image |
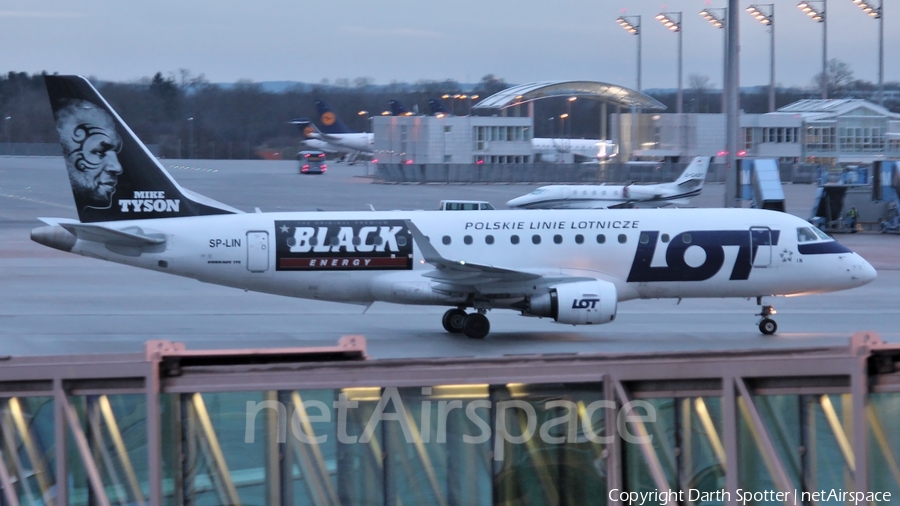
459	275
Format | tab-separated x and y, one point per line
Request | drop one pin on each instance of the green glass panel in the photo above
884	443
429	460
562	462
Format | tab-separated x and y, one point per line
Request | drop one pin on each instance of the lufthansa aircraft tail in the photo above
397	108
437	107
307	128
113	175
329	121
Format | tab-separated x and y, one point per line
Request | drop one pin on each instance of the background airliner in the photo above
333	135
678	193
573	266
553	149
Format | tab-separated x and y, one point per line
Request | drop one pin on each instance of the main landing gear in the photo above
474	325
766	325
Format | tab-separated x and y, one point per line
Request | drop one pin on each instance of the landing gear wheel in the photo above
453	320
476	326
768	326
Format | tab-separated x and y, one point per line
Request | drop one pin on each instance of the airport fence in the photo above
561	173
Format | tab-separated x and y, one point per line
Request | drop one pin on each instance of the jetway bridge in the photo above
328	426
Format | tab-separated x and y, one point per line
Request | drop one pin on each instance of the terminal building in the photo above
501	129
827	132
453	139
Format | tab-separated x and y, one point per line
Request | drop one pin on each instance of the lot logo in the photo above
149	202
712	242
343	245
328	118
585	303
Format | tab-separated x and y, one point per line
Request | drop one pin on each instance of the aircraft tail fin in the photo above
437	107
113	174
329	121
695	173
397	109
307	128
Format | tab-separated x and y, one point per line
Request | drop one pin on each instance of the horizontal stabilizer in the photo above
134	237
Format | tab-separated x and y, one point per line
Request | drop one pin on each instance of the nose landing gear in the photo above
475	325
766	325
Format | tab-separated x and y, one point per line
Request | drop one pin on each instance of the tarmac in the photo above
57	303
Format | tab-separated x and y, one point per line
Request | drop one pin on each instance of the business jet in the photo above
553	149
334	136
678	193
571	266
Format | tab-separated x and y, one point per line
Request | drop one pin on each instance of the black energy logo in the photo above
712	242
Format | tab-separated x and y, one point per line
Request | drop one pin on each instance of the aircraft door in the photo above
761	243
257	251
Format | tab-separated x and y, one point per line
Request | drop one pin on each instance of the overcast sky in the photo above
408	40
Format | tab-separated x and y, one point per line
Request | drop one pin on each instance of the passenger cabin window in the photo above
446	239
489	239
467	239
622	238
514	239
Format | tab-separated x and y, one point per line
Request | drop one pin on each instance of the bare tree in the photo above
836	79
699	84
363	82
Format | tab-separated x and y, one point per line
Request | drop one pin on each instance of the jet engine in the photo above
580	303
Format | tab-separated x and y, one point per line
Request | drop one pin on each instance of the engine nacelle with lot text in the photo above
581	303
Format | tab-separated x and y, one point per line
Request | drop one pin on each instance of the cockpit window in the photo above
538	191
806	234
811	234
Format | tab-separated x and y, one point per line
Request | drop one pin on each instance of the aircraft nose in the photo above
516	202
864	272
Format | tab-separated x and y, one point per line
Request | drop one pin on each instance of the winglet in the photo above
428	252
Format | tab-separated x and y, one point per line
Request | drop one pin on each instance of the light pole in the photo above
765	14
464	98
471	98
191	137
819	16
6	123
876	13
716	17
672	21
569	113
366	126
632	24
